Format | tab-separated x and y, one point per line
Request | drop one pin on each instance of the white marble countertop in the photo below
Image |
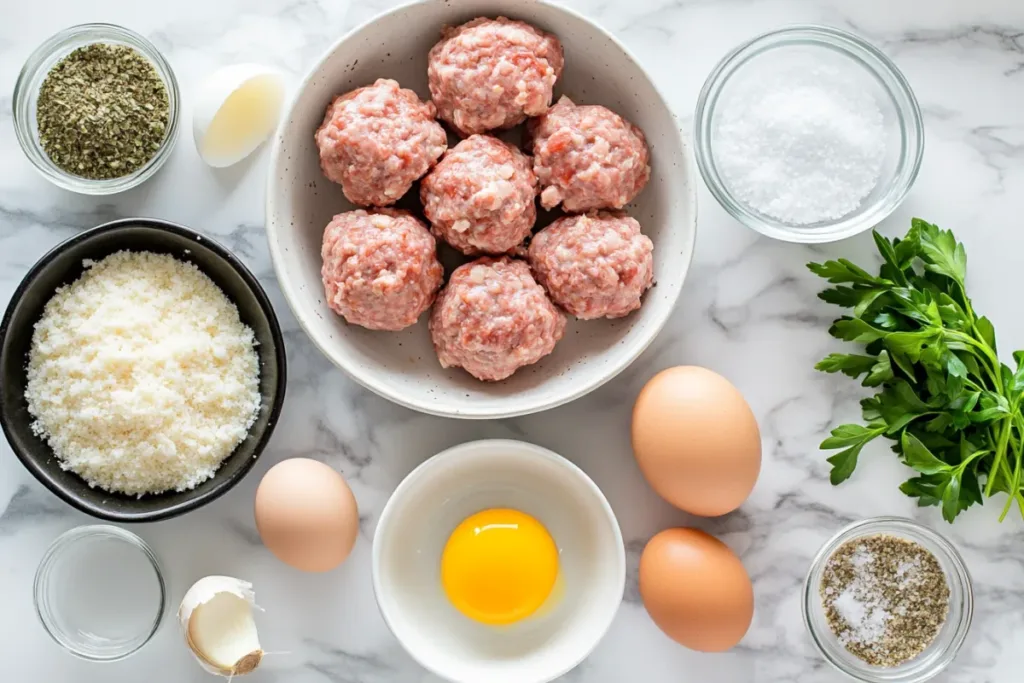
748	311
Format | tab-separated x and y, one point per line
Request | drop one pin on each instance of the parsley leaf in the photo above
850	365
917	455
942	254
852	438
842	270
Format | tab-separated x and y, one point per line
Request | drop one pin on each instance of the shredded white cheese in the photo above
141	376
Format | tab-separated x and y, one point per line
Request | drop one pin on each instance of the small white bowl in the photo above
428	505
402	366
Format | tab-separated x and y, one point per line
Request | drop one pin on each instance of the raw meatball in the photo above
480	197
493	73
380	268
377	141
493	318
588	157
594	266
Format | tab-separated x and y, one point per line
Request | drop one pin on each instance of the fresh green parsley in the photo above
950	407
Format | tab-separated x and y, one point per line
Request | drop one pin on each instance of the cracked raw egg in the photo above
499	566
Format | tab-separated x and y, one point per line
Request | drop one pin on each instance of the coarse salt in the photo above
861	558
802	144
867	617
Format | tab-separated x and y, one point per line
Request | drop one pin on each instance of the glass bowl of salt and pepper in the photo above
96	109
888	600
808	134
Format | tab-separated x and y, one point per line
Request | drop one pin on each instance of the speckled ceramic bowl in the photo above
402	366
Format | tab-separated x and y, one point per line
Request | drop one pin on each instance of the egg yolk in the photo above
499	566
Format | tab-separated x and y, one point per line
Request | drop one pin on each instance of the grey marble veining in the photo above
748	311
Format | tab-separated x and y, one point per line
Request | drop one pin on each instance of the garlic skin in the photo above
216	621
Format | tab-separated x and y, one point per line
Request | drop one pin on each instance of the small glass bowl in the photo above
854	60
947	642
26	94
99	592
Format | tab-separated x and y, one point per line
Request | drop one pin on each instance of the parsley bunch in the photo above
951	408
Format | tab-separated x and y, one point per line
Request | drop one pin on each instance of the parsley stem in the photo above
1014	493
971	458
999	460
971	384
1006	508
1018	447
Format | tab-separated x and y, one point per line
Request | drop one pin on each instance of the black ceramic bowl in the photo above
63	265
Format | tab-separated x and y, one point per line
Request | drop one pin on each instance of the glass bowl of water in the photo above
808	134
99	592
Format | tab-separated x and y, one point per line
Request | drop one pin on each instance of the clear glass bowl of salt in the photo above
951	632
808	134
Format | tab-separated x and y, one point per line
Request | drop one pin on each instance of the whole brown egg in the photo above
696	440
306	514
696	590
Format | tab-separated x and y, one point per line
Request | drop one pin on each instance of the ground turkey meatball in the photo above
493	73
377	141
480	197
493	318
380	268
588	157
594	266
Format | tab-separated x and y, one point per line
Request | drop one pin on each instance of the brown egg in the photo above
306	514
696	441
696	590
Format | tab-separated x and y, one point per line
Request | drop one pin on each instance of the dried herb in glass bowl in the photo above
102	111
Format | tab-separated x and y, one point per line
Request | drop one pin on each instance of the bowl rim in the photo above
28	143
871	59
266	307
524	449
366	378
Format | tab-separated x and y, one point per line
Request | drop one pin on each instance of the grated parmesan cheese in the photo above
141	376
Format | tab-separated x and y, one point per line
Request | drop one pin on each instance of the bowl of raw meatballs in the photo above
480	209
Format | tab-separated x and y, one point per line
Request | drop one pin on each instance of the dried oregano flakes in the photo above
102	111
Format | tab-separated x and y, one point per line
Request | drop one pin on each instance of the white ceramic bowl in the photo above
402	366
428	505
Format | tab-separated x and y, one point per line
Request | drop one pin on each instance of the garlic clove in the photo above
236	110
216	619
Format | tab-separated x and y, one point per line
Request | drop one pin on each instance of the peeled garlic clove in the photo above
236	110
216	619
